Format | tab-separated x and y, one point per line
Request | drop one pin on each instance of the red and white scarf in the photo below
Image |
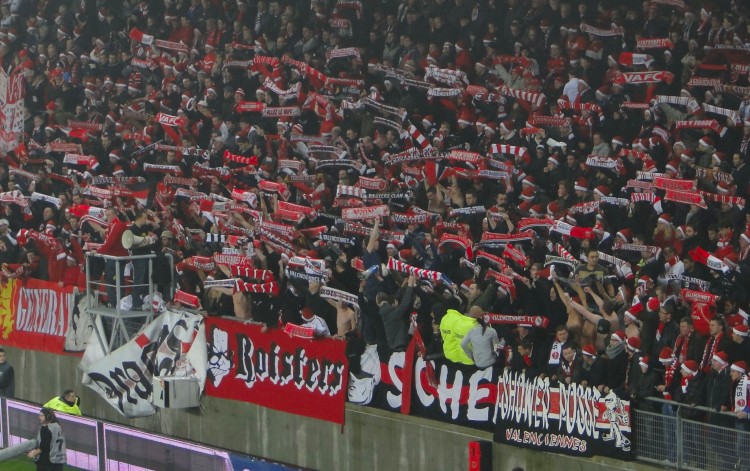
654	43
644	77
702	256
271	288
685	197
572	231
709	351
398	265
614	31
353	214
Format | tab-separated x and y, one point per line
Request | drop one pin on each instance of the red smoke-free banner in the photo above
34	314
272	369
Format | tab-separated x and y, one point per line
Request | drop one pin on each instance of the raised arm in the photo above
372	244
597	299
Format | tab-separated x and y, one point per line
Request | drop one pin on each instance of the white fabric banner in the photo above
173	344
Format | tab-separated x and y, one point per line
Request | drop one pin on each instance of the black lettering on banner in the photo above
335	378
287	369
245	366
260	360
256	364
299	372
121	382
273	363
312	375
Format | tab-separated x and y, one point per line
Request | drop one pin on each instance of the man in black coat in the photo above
666	332
593	372
689	345
617	362
739	349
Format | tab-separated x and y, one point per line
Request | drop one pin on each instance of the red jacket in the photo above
113	240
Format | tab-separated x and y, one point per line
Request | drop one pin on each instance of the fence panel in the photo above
708	446
653	433
691	438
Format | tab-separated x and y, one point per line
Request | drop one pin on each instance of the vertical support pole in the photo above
679	438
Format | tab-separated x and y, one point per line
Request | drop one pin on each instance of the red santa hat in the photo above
634	312
665	218
739	366
507	126
666	356
589	350
581	184
530	180
405	255
718	157
741	330
536	211
673	166
720	358
602	190
619	336
553	208
528	193
643	362
465	117
624	234
690	367
706	141
634	344
653	304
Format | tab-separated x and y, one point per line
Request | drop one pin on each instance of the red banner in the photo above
34	314
272	369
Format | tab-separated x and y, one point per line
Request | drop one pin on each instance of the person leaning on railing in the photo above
68	402
113	246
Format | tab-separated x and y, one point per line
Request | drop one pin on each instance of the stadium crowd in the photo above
374	170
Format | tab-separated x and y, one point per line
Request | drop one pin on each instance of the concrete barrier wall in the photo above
370	440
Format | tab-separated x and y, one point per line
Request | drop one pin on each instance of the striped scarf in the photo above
400	266
271	288
419	138
534	98
723	199
506	149
562	252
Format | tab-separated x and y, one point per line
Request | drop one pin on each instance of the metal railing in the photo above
114	326
690	437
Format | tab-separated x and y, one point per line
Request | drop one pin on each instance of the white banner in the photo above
80	327
174	344
11	110
43	311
